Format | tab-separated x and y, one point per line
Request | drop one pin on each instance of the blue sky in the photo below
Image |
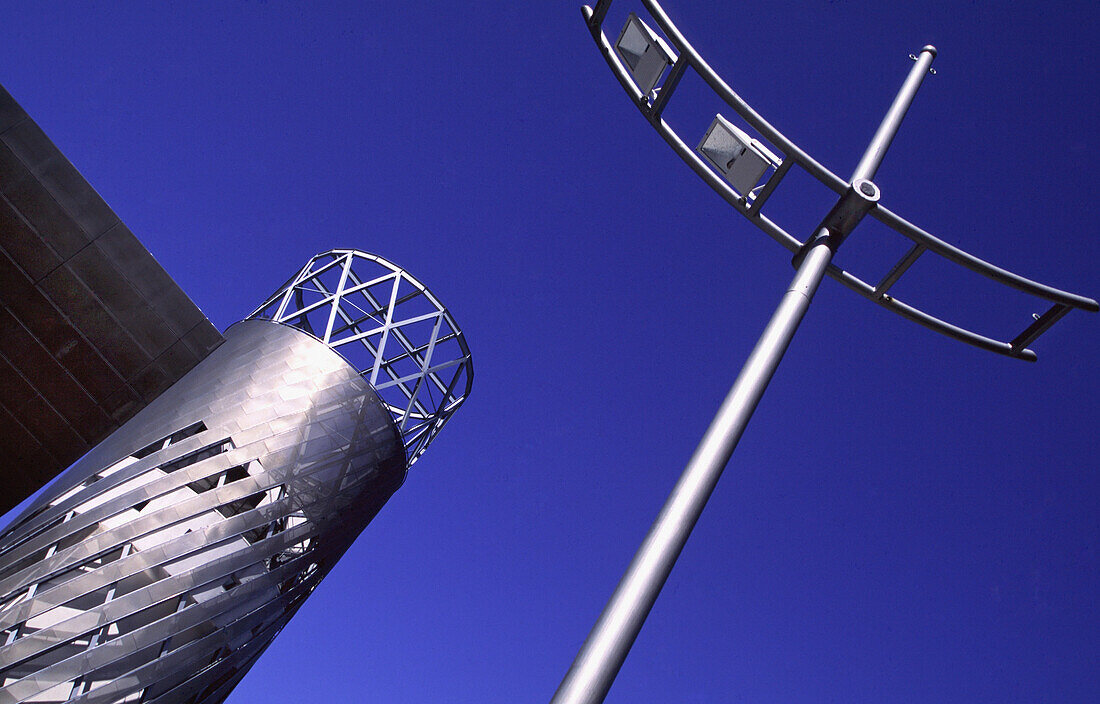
906	518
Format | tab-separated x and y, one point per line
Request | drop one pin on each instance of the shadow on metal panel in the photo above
92	329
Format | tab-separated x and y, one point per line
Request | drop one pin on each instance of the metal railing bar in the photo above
898	269
595	17
980	266
770	186
929	321
669	85
1043	323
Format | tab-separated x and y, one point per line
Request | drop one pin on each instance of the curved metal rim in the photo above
412	280
688	56
444	412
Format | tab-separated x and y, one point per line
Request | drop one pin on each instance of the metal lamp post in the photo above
640	59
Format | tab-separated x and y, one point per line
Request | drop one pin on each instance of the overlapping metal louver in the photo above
162	564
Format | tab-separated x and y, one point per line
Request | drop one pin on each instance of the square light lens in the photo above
740	159
645	54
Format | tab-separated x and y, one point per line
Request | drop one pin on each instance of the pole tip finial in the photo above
930	49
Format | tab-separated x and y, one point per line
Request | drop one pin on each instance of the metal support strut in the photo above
600	658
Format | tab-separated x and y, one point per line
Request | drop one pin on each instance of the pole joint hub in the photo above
862	195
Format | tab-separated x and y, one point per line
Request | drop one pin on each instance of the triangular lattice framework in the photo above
390	327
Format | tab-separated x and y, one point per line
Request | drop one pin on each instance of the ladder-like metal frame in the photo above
604	650
653	105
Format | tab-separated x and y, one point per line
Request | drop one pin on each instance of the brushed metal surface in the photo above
91	326
159	566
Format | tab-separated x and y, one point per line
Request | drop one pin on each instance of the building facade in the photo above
163	563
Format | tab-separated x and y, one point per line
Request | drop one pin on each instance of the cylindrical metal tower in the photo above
161	564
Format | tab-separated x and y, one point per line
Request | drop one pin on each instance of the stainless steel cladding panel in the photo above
161	564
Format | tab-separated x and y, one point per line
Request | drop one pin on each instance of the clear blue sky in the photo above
906	519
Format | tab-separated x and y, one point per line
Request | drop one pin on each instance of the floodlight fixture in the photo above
737	157
741	159
645	53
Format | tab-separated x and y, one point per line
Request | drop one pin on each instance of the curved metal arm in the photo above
652	106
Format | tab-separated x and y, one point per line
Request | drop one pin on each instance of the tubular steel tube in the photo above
872	158
605	649
607	645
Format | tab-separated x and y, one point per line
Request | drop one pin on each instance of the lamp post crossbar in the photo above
605	649
652	107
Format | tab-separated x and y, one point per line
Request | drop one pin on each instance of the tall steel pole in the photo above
602	655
